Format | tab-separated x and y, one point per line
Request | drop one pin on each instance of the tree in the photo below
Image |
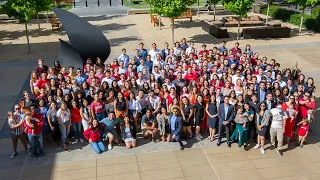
214	2
42	5
268	3
240	8
22	10
303	4
170	8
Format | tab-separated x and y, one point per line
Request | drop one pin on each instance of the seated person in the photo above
128	133
93	134
149	125
108	124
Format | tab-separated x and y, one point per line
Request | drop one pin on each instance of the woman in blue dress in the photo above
43	109
211	110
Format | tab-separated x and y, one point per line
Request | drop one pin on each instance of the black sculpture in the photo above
86	39
69	56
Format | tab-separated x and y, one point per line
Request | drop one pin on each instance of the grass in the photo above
63	6
140	4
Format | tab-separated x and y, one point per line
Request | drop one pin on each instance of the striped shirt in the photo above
17	119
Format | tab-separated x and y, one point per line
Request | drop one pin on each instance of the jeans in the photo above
176	139
276	133
76	129
99	116
36	144
64	133
98	147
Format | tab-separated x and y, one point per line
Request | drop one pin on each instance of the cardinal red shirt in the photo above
303	110
97	107
303	130
190	77
75	115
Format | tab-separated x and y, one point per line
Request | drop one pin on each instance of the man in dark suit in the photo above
175	126
270	102
226	115
262	92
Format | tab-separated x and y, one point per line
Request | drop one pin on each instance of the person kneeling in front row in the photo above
175	126
93	134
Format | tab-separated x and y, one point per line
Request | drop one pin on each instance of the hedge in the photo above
311	22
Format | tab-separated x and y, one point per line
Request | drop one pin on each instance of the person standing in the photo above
199	115
226	115
277	129
262	124
211	110
175	126
15	122
64	119
53	122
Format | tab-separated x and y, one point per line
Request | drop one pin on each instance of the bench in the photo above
184	15
266	32
154	19
55	23
214	30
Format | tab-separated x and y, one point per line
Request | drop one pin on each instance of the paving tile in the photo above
197	170
75	174
300	177
47	176
116	160
158	164
233	166
124	176
75	165
189	152
284	171
172	173
34	170
222	150
9	173
241	175
155	156
117	169
203	177
193	161
228	157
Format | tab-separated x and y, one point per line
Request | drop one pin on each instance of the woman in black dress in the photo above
187	114
211	110
262	123
199	115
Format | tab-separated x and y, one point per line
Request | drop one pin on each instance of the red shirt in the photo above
94	135
303	110
303	130
190	77
75	115
42	83
97	107
37	124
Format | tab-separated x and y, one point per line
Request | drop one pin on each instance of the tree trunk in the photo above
238	36
172	31
159	22
38	21
268	14
27	34
198	7
301	22
214	12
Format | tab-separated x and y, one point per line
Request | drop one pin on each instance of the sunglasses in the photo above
291	98
16	108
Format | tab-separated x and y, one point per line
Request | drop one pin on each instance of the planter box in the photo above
214	30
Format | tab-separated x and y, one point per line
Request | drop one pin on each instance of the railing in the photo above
86	2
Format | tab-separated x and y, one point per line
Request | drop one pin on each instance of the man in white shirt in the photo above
260	74
280	81
154	103
121	81
277	129
108	79
188	50
156	72
122	69
237	76
154	51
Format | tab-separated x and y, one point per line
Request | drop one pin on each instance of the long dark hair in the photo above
265	105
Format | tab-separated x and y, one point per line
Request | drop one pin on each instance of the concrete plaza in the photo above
200	160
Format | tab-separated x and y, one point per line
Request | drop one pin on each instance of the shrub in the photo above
313	24
278	13
316	12
272	10
296	19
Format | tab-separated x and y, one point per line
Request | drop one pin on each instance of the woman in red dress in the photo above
206	97
291	108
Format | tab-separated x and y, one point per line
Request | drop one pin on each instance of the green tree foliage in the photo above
214	3
238	7
22	10
42	5
303	5
170	8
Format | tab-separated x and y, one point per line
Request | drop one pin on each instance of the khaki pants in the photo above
276	133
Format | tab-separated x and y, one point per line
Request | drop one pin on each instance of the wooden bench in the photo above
55	23
154	19
184	15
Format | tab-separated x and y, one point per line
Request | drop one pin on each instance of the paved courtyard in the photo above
200	160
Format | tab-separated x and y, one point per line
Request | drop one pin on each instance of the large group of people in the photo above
167	95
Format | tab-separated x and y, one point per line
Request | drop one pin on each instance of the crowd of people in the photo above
166	95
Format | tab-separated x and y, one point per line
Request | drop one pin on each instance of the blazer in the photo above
221	114
132	129
258	94
178	125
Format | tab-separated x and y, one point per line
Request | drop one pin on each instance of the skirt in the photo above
289	129
263	132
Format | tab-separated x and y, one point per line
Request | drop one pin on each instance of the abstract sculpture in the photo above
86	40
